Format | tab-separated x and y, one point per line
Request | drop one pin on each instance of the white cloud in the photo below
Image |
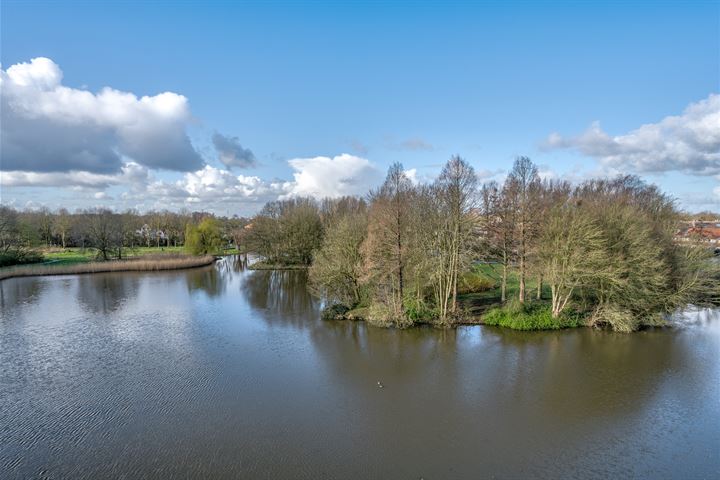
130	173
317	177
208	187
688	143
412	175
49	127
321	177
18	178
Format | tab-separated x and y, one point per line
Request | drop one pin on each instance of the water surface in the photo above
226	373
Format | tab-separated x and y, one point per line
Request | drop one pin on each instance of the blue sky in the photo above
288	88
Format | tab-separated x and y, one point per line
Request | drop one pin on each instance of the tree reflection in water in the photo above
105	292
280	295
23	289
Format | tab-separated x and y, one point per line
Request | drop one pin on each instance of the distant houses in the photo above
151	236
704	231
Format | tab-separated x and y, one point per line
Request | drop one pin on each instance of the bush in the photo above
334	312
19	258
529	317
418	311
474	282
380	315
623	320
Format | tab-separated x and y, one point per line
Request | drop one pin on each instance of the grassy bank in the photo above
532	316
145	263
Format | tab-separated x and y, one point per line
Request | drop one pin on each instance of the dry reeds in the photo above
148	263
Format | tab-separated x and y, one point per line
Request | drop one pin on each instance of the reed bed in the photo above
147	263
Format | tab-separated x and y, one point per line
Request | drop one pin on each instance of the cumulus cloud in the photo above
209	186
130	173
688	143
231	153
49	127
321	177
412	175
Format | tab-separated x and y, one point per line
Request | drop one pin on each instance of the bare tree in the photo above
456	187
62	225
571	253
336	271
105	232
386	246
523	185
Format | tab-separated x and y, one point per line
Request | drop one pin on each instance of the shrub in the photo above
418	311
334	312
622	320
473	282
380	315
19	258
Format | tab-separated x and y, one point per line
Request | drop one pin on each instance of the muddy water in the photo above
226	373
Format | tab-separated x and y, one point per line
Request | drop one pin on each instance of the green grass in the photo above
532	316
70	256
477	303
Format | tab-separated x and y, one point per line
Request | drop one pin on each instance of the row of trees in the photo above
604	248
22	233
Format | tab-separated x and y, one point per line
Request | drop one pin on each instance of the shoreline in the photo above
138	264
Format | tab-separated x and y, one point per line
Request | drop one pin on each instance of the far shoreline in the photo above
132	265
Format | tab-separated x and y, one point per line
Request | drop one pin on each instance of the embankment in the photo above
144	264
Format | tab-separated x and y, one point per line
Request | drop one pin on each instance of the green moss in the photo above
534	316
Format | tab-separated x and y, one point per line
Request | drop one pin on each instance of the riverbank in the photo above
534	316
146	263
72	255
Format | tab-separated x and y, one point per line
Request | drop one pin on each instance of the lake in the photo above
220	372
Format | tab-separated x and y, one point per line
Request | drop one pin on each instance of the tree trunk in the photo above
400	266
522	279
538	296
503	285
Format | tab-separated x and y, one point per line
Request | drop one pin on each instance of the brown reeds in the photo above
148	263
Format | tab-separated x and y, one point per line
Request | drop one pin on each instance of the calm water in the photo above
220	372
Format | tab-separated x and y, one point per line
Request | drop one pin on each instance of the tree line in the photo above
603	249
24	233
406	252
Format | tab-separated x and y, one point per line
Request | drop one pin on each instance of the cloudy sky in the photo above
222	108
